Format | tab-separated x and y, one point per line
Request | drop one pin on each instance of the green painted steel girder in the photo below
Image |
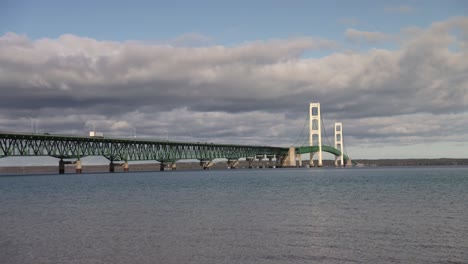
123	149
325	148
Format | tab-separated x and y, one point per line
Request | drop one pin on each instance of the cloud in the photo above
250	93
401	9
367	37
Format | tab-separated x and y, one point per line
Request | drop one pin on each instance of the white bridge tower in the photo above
315	136
339	142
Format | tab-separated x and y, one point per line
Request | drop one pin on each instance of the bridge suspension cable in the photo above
344	148
304	142
302	131
325	130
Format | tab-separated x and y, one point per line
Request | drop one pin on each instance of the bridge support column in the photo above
78	167
260	159
290	159
61	166
339	142
270	161
232	163
207	164
311	161
111	167
336	161
315	136
125	167
349	163
250	161
299	159
279	161
167	165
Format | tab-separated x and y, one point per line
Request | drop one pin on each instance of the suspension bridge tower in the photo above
339	142
315	135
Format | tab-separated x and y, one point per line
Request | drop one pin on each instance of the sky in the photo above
243	72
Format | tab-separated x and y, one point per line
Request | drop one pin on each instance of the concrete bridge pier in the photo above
169	165
299	160
260	159
232	163
112	167
270	160
78	167
290	159
279	161
311	162
61	166
125	167
173	166
250	161
348	163
206	164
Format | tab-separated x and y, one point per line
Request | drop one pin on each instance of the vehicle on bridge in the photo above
96	134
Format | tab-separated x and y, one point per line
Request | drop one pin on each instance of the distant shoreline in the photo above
413	162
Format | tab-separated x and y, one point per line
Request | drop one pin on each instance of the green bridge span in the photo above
125	149
132	149
325	148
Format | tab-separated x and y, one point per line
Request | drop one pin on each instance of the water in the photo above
382	215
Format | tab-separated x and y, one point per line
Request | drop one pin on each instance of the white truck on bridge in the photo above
96	134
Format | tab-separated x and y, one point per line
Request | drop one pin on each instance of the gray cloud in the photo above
256	92
366	37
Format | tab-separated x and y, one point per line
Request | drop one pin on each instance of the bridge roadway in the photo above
133	149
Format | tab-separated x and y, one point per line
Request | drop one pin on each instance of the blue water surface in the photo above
342	215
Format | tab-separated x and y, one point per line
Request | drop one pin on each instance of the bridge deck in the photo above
125	149
131	149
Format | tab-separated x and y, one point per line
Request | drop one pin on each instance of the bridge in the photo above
325	148
119	151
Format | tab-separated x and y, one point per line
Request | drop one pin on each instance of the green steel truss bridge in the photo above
128	149
125	149
122	150
131	149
